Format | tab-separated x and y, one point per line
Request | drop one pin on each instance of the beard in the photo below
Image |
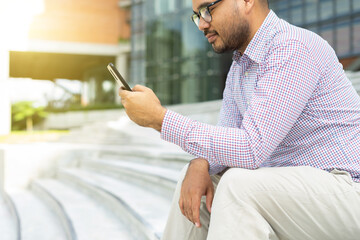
232	37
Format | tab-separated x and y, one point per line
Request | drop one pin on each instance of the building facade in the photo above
337	21
171	56
65	40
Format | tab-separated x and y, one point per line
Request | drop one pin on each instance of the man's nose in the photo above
203	24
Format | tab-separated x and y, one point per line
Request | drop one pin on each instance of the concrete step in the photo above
168	157
164	157
37	221
160	179
145	210
89	220
8	229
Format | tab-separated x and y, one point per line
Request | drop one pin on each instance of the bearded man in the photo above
284	160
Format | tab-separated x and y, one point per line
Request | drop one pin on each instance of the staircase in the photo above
105	180
109	179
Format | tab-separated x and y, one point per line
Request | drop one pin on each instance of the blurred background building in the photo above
56	52
336	21
172	57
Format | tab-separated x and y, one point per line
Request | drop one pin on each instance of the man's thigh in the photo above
296	202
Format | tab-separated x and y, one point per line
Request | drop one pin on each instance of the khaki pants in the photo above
274	203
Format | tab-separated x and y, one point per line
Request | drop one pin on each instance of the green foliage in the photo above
24	114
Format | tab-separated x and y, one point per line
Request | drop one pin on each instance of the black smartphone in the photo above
119	79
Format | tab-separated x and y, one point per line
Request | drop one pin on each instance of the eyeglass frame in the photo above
199	13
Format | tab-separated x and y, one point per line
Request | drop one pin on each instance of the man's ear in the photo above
249	4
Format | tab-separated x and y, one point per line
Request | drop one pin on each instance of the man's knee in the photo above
238	178
241	185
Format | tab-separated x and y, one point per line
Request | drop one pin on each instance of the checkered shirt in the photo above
287	102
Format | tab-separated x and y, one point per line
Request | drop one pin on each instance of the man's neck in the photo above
256	21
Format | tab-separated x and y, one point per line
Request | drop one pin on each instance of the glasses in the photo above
204	12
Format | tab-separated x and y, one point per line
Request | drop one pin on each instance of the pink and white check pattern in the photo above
287	102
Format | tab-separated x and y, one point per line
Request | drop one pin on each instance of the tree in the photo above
25	114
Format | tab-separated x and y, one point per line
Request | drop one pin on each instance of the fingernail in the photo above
197	225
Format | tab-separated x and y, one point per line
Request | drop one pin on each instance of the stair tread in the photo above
37	220
90	220
7	223
167	173
151	206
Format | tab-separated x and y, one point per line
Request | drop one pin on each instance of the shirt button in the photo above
246	74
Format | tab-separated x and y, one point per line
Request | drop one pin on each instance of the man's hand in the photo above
143	107
197	183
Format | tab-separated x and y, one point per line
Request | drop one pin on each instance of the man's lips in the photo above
211	37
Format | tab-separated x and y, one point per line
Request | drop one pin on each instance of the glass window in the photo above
193	40
314	29
356	32
356	5
311	11
343	38
296	12
170	53
342	7
177	35
150	8
160	7
139	42
172	5
281	8
190	89
326	9
188	3
327	32
190	67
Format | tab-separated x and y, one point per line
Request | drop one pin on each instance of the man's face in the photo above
228	29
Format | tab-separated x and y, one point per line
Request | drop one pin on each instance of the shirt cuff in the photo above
175	128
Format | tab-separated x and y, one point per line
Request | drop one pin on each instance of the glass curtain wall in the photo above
337	21
173	57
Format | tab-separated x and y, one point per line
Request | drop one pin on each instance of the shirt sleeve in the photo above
281	94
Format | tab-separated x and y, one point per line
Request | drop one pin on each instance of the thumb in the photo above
209	199
123	93
139	88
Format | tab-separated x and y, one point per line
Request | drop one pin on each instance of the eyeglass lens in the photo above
204	13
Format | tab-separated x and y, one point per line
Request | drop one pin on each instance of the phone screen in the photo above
117	76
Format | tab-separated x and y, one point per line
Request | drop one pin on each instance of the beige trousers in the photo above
296	203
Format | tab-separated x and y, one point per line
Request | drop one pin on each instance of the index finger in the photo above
196	211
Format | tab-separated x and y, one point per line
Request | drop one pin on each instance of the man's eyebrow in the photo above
202	5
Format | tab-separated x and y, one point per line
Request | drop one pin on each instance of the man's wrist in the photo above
200	162
158	123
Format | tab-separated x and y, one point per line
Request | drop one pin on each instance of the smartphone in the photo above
119	79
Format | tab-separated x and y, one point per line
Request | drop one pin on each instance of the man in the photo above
284	160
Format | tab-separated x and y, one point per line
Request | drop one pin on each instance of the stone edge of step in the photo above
60	210
14	212
163	185
102	195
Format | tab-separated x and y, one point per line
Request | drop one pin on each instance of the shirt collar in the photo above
258	46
